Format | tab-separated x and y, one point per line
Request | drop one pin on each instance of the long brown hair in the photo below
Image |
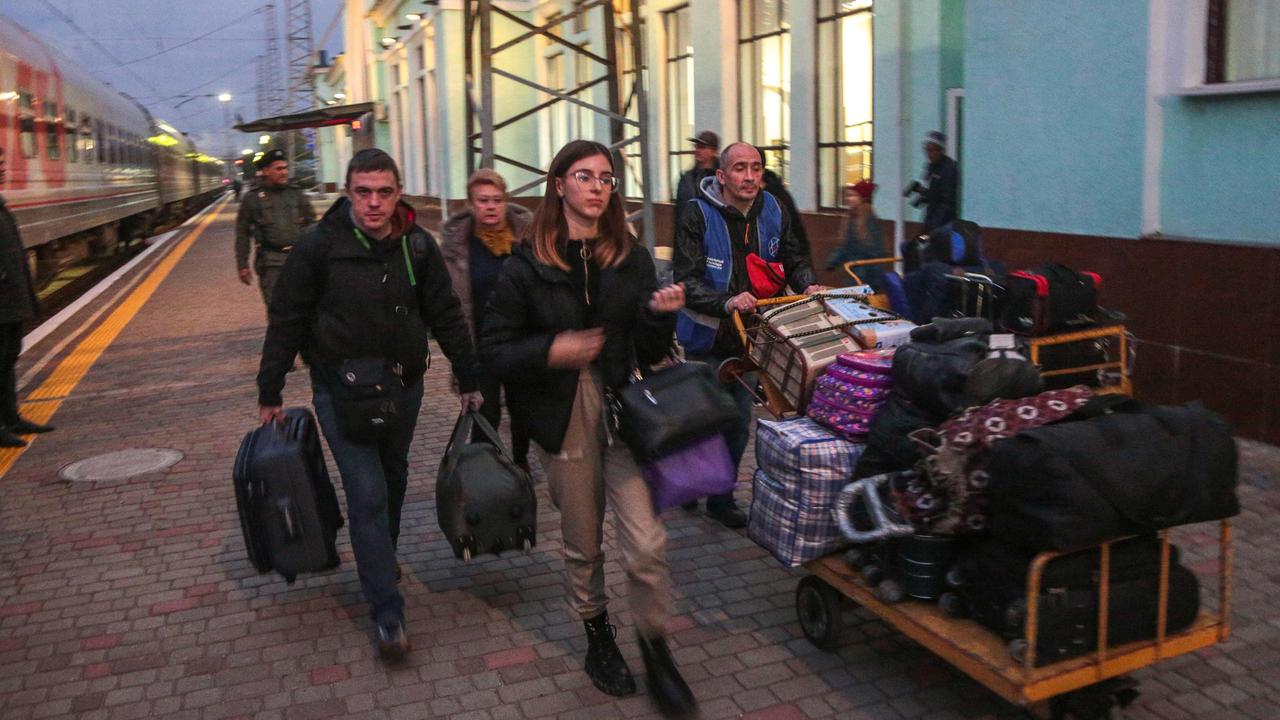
860	217
549	230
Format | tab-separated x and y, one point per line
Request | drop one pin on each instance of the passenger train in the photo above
88	167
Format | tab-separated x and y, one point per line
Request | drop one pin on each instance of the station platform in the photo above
133	598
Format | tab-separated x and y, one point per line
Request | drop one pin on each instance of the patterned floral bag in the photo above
949	493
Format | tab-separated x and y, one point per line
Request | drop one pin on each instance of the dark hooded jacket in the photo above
690	260
17	293
533	302
338	300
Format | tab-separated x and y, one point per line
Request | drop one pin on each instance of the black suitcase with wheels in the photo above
993	580
484	501
289	512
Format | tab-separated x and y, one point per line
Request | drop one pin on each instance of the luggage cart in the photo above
734	369
1085	687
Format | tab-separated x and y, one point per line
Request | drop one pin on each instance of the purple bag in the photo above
879	362
858	377
695	471
849	423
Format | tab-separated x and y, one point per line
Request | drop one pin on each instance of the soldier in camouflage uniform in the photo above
273	215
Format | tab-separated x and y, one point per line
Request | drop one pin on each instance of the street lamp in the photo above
246	151
224	97
263	140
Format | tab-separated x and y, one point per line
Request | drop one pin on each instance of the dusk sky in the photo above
143	37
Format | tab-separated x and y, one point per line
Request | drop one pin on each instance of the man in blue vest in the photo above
734	244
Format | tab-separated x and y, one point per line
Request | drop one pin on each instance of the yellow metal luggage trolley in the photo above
984	656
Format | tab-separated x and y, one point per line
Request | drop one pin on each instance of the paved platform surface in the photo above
133	598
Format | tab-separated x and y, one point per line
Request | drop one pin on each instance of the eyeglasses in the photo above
585	179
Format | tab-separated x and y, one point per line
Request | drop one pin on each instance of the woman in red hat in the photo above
862	237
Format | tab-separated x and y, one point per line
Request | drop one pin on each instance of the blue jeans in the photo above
374	478
737	436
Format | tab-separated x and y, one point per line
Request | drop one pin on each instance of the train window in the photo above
27	123
73	152
52	146
88	151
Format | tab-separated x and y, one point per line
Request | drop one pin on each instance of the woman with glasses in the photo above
576	307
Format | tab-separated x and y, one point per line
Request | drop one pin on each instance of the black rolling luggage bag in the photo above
993	577
289	512
484	501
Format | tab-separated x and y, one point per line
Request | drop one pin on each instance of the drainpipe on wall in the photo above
904	126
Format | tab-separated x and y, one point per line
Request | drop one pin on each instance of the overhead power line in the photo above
198	38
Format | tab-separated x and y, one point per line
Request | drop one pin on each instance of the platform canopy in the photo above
319	117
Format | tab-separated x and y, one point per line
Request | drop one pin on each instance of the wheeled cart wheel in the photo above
1094	702
818	609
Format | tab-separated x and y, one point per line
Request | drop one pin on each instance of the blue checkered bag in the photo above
810	462
795	532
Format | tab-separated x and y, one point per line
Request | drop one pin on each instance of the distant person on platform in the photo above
861	236
734	246
272	215
706	151
17	307
477	242
368	287
942	178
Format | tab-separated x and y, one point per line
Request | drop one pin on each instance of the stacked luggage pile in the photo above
947	462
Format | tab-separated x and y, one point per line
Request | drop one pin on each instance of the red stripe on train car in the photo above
82	198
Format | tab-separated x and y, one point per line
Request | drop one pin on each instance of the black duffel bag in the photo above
484	501
1133	470
1050	298
670	408
931	370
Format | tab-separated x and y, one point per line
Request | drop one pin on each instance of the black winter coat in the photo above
17	293
941	197
338	300
533	302
690	260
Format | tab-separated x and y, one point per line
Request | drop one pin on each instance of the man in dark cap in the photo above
17	306
273	214
706	158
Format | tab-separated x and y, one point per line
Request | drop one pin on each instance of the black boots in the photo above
605	666
670	692
26	427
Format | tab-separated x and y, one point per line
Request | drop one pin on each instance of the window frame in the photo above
674	67
836	16
749	43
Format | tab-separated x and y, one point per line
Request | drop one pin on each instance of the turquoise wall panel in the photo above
1219	168
1054	115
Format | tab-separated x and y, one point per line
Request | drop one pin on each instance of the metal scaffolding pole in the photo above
300	52
484	128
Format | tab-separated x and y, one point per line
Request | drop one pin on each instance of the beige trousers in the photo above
586	471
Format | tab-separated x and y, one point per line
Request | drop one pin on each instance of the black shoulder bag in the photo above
368	390
670	408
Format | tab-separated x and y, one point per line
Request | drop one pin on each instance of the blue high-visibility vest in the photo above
696	331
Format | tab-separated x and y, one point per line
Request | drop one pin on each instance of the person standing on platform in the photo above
272	215
367	284
706	149
940	196
477	241
736	246
576	308
18	306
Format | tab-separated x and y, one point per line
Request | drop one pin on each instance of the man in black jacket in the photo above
733	219
706	149
17	306
943	178
367	283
